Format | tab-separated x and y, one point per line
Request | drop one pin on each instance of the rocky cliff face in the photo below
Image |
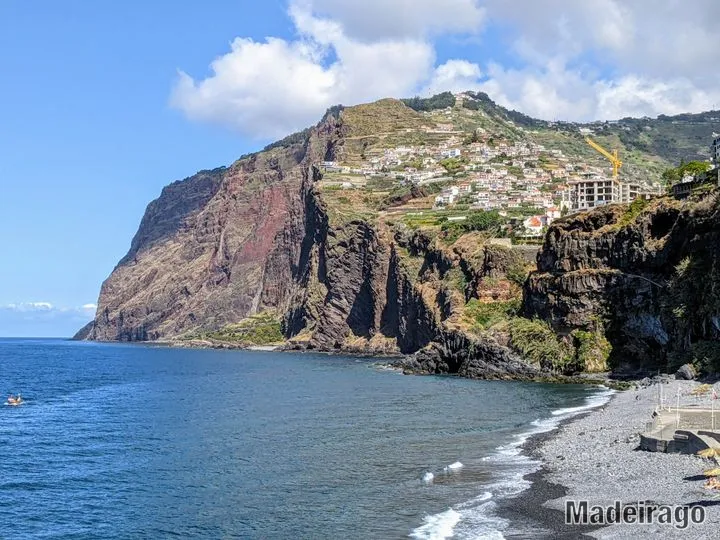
649	275
260	237
368	289
216	247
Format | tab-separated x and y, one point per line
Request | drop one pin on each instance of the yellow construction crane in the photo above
613	158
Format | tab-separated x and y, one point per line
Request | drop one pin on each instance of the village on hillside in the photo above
482	170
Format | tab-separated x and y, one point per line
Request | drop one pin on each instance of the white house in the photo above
447	196
451	153
552	214
534	225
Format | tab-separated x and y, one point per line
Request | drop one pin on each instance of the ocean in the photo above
134	441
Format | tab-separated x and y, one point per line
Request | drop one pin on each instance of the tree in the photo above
473	137
438	101
691	168
452	165
695	168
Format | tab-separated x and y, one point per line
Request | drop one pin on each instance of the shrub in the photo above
537	342
260	329
452	165
518	274
477	221
487	314
706	356
633	211
592	350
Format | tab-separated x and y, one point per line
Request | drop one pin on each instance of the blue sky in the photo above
104	103
87	137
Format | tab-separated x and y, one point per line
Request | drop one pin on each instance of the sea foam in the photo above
437	526
453	467
476	518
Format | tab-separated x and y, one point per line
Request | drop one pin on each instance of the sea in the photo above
136	441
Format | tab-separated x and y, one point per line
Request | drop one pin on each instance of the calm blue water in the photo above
122	441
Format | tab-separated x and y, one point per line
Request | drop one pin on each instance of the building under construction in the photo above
592	190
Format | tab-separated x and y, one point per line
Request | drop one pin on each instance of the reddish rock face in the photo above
214	248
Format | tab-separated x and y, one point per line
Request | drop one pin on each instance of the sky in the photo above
104	103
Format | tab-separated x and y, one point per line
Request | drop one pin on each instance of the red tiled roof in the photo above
534	222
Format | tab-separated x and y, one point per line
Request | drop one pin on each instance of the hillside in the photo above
344	237
665	139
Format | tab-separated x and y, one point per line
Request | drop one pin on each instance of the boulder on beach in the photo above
686	372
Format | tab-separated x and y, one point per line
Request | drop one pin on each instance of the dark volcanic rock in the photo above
652	279
459	354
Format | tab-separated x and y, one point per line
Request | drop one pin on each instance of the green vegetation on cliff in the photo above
476	221
592	350
632	212
260	329
485	315
537	342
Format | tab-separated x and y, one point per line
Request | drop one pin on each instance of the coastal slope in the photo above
332	239
214	248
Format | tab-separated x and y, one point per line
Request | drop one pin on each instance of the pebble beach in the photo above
595	457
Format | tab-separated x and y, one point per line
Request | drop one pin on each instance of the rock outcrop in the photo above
648	273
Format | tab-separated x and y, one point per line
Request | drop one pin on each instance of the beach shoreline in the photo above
594	456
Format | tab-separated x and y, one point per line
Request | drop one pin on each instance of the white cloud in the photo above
263	89
560	93
47	307
455	76
43	319
644	57
648	97
270	88
572	60
30	306
553	92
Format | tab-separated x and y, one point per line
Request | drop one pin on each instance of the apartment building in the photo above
592	191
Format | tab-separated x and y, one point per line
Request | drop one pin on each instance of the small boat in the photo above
14	401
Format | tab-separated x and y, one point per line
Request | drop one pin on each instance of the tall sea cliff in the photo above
268	247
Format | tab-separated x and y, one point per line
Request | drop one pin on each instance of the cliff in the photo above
226	254
645	274
299	246
215	248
